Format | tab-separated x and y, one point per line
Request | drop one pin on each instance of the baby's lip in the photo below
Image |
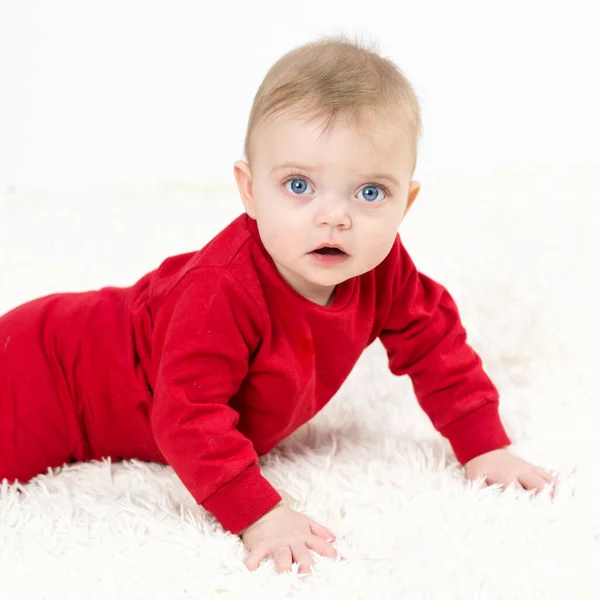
330	245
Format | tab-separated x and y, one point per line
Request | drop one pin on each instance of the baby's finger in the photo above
301	555
480	479
320	546
531	481
283	559
322	532
506	483
544	474
255	558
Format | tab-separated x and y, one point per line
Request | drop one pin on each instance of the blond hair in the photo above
335	76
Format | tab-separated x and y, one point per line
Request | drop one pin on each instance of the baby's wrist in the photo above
241	533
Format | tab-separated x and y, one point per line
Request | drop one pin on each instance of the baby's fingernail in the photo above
330	539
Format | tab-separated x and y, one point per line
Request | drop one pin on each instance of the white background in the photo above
150	91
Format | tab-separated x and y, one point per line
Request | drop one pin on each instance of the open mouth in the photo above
328	250
328	255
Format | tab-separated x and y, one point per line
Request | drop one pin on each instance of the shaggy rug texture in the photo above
519	252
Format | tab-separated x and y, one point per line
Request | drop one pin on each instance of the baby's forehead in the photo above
296	140
336	146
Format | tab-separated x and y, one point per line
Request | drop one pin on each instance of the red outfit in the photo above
212	359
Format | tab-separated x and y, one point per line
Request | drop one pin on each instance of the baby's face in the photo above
348	187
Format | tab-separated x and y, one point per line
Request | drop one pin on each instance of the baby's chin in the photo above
327	278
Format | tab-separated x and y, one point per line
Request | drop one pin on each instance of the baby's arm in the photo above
203	338
425	339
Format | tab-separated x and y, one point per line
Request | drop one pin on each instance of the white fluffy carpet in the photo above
519	252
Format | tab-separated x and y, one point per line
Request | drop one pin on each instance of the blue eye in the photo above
299	186
372	193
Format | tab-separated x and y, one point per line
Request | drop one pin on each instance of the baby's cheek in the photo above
381	246
273	232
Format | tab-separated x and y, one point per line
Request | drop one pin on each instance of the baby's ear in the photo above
413	192
243	177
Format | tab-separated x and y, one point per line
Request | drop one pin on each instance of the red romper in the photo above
212	359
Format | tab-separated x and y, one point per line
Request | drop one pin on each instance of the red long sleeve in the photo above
205	344
424	339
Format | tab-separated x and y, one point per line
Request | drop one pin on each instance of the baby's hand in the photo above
500	466
286	536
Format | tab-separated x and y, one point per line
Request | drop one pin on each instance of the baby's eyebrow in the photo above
288	165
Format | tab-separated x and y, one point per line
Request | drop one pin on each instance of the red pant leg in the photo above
38	423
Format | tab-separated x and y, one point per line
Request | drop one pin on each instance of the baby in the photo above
212	359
